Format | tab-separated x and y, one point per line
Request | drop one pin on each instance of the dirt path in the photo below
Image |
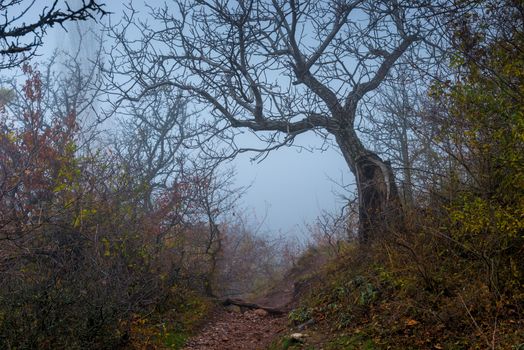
233	330
236	328
255	329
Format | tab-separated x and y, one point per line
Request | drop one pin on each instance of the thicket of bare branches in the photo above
280	69
107	227
23	25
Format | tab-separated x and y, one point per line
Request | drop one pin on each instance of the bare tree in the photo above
152	138
19	38
214	198
69	88
393	117
278	68
62	94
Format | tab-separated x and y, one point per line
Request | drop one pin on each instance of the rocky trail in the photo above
254	325
239	324
235	330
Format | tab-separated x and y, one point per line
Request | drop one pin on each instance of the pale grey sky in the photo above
289	188
293	187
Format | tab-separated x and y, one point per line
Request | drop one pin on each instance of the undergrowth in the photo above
423	296
171	325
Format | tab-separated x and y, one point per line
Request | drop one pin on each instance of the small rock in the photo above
298	336
233	308
261	312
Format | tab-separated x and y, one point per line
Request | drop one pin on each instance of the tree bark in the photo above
380	209
243	304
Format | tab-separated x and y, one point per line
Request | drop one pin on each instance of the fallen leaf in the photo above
411	322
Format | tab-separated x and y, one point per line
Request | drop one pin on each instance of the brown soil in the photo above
279	297
237	330
229	330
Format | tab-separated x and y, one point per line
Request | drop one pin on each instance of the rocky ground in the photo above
230	329
238	328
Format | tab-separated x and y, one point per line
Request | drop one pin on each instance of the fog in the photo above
286	190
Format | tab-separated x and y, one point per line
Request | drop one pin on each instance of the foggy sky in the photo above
288	189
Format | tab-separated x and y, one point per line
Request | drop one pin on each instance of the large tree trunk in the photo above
379	203
380	208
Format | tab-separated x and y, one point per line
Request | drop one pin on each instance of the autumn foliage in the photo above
453	278
85	262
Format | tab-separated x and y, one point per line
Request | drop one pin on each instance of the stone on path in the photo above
261	312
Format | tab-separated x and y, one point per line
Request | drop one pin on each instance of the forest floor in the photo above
238	328
250	330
